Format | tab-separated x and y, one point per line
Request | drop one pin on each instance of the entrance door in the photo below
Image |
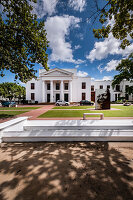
57	97
93	96
48	97
83	96
66	97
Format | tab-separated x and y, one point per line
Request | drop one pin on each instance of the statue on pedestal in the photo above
103	100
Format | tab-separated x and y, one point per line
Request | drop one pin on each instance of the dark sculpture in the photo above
104	100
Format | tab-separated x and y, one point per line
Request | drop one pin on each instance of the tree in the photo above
125	69
23	39
122	13
12	90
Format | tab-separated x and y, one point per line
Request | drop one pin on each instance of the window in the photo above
83	85
48	86
108	86
92	87
117	87
57	86
32	86
101	86
65	86
32	96
83	96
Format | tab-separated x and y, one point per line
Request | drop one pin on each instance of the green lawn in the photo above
126	111
6	114
18	108
72	107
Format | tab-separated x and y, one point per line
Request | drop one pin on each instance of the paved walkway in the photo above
33	114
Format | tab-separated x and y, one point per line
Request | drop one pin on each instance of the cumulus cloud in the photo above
111	65
77	66
100	68
82	74
107	78
78	61
78	5
110	46
43	7
58	27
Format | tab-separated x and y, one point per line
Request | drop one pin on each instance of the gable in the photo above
57	72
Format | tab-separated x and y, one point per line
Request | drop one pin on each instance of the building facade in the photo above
64	84
58	84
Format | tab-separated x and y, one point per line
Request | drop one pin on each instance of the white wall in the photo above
37	90
77	88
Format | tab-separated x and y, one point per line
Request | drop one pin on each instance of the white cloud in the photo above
77	47
111	65
106	78
77	66
79	61
82	74
109	46
92	79
78	5
43	7
100	68
58	27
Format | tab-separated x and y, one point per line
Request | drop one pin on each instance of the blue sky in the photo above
72	43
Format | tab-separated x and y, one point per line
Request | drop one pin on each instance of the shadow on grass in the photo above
64	171
4	116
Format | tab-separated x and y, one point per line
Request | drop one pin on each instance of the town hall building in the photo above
65	84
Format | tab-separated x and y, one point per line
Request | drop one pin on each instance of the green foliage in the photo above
23	40
12	90
122	12
125	69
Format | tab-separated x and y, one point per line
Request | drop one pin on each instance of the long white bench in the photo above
101	115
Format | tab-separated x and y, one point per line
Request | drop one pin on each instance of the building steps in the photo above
23	130
67	135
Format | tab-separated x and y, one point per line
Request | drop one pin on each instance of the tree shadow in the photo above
64	171
5	116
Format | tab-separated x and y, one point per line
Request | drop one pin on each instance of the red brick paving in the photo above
33	114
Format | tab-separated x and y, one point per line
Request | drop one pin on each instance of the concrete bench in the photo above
101	115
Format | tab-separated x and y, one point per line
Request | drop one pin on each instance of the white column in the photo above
70	91
51	92
61	88
43	91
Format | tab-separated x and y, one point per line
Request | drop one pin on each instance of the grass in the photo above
72	107
7	114
126	111
18	108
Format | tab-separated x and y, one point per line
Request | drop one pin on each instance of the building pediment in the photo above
57	72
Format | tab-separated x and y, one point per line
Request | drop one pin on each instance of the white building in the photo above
64	84
116	93
58	84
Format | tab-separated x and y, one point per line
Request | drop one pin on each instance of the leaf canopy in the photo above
23	40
